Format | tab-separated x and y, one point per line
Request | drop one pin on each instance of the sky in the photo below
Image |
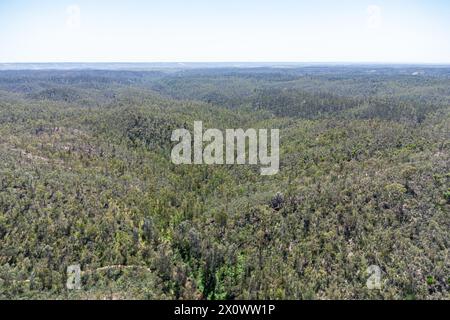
378	31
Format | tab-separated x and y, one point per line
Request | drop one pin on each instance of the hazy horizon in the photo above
143	66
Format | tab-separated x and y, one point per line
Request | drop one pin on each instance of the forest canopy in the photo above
86	178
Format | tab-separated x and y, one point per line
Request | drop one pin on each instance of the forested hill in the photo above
86	178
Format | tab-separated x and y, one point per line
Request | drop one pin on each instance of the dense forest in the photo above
86	178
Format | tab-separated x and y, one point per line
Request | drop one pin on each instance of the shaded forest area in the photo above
86	178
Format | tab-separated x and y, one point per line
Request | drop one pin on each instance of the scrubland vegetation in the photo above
86	178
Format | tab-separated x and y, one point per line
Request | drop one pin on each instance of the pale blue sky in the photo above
405	31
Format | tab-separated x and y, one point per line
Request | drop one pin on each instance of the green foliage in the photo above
86	178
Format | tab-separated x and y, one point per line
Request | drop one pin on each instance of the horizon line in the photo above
232	61
83	65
